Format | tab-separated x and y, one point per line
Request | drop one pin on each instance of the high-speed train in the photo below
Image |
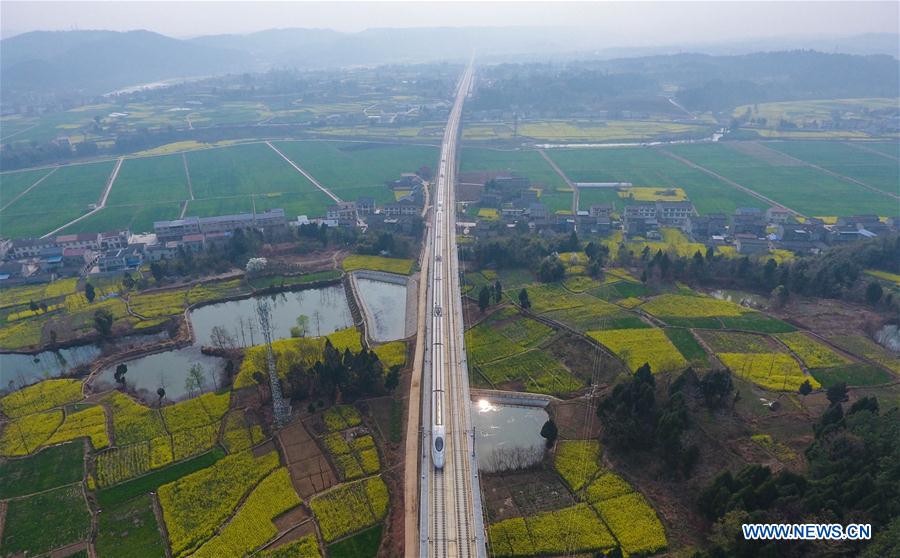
438	428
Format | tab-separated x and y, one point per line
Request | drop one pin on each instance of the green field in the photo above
647	167
869	168
891	149
524	162
137	218
64	196
52	467
799	187
150	180
148	483
224	179
355	169
147	189
40	523
129	530
361	545
14	183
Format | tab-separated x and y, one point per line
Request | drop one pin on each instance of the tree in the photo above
393	378
716	386
221	339
523	299
551	269
837	393
194	379
158	271
89	292
779	296
302	327
484	298
127	281
161	393
805	388
549	432
873	293
32	305
498	292
103	322
119	375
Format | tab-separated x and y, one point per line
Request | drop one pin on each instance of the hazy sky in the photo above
649	23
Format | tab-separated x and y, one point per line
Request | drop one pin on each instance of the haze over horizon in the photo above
615	23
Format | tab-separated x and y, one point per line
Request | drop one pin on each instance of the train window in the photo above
439	444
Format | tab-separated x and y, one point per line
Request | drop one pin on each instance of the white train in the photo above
438	429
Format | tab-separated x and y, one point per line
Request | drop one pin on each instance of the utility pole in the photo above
281	408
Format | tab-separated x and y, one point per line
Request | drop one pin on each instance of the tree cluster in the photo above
853	476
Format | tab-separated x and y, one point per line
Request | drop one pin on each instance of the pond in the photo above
21	370
167	370
507	436
385	308
326	311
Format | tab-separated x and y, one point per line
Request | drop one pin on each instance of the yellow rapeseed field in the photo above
40	397
639	346
774	371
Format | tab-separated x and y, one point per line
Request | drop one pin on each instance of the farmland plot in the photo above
648	167
801	188
846	160
224	179
354	169
63	196
639	346
42	522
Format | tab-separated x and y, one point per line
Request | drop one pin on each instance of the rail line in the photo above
451	523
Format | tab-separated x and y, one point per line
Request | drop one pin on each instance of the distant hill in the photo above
94	62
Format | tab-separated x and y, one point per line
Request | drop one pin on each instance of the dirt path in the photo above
308	176
100	204
187	174
157	511
730	182
562	175
37	182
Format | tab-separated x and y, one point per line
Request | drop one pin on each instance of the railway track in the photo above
451	523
